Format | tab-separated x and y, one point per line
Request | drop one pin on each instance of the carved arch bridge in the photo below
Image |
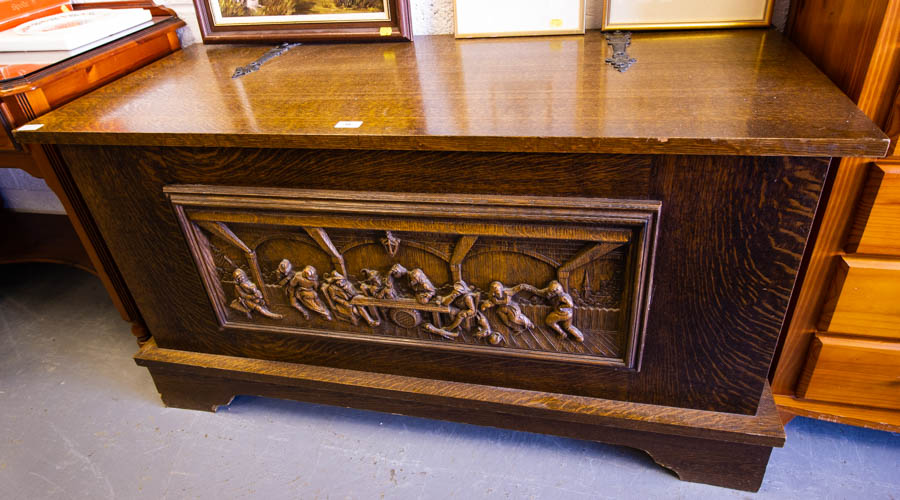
546	278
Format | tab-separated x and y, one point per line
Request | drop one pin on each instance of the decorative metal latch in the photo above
270	54
619	41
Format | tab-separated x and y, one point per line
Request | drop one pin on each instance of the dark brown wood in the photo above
713	448
41	238
727	203
460	152
759	96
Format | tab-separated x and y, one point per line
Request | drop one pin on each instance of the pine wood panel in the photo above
821	29
880	80
876	228
852	370
871	418
865	298
759	96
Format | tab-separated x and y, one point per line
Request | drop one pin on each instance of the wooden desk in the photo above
29	91
634	237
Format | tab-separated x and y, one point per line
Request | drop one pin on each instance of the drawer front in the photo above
876	226
557	279
864	298
853	371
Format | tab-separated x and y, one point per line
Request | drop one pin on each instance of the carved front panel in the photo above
557	278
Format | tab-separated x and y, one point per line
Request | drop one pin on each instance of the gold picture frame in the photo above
609	24
249	21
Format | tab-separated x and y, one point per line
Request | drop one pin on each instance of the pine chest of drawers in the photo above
511	233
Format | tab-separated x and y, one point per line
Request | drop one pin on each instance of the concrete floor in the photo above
78	419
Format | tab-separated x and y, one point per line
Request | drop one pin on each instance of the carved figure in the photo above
418	281
464	301
420	284
339	292
389	287
508	309
284	273
371	285
560	318
248	298
303	295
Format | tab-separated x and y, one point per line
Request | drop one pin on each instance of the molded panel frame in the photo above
539	218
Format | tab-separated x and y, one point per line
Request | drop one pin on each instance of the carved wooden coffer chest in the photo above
464	255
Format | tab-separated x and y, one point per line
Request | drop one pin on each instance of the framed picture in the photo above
240	21
480	18
685	14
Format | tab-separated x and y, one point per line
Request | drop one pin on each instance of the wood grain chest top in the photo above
742	92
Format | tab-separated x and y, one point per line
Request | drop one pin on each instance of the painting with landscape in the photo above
298	11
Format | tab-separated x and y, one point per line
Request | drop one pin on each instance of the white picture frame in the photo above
497	18
685	14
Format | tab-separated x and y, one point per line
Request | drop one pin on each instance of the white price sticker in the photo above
348	124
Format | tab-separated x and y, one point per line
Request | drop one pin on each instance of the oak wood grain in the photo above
713	448
864	298
507	231
864	372
729	239
761	429
461	120
758	96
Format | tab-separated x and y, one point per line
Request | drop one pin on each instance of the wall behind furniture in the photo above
19	191
435	17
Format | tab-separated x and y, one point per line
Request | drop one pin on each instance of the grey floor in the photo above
79	420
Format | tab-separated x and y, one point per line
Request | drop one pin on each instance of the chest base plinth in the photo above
720	449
